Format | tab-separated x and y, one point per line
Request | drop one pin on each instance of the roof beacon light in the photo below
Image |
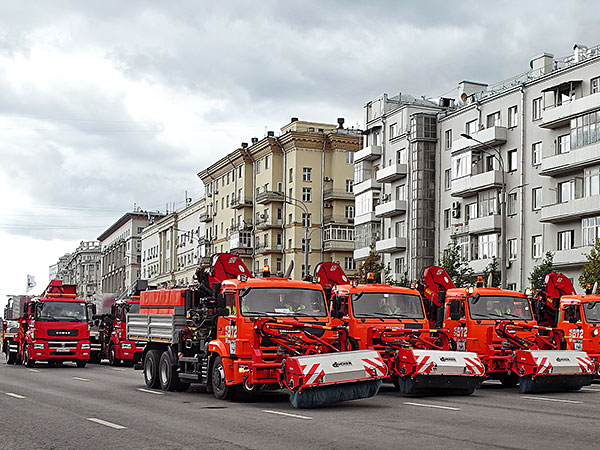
480	282
528	292
469	290
266	271
588	289
242	277
370	278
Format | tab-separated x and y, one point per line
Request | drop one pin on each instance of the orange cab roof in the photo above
375	288
269	283
458	292
580	298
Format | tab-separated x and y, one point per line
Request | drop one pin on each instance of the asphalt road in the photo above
105	408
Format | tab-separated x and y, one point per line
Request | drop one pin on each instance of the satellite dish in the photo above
463	97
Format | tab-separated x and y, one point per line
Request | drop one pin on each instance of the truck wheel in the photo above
81	363
167	373
509	380
11	358
151	368
220	389
112	359
26	360
95	358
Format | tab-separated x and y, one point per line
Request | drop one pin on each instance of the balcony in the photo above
363	186
573	209
390	208
361	253
337	194
466	186
478	265
572	161
338	246
268	248
241	243
369	153
331	218
365	218
394	244
206	217
490	136
559	116
571	257
264	223
485	224
269	196
391	173
238	203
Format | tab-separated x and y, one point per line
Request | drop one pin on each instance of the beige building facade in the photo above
262	198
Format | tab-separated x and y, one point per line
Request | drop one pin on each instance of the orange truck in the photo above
231	332
392	321
577	316
499	326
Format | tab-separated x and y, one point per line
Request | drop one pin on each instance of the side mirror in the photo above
96	316
327	290
336	307
571	314
455	310
220	300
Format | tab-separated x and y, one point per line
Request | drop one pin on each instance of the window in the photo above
590	230
349	159
306	174
585	130
447	179
258	163
493	119
268	162
536	198
349	212
447	218
536	153
140	229
565	191
306	194
512	160
228	177
401	192
487	204
512	204
513	118
290	218
565	240
291	175
240	171
401	229
393	130
536	112
399	265
536	246
233	175
564	144
304	246
349	186
471	211
227	201
448	139
471	127
461	165
306	220
463	247
401	156
486	246
595	85
490	163
349	263
512	249
591	182
279	265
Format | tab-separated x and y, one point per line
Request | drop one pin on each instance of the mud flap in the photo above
553	383
334	393
439	384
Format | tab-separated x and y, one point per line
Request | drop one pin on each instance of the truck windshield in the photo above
499	307
592	312
283	302
62	312
387	304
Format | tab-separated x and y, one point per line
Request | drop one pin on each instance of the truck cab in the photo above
579	318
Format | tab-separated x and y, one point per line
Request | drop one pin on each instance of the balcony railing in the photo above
269	196
331	218
466	186
574	160
557	116
391	245
370	183
390	208
337	194
489	136
368	153
391	173
268	222
573	209
485	224
338	246
268	248
237	203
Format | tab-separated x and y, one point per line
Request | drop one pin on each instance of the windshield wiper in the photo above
514	316
49	319
485	316
399	315
259	313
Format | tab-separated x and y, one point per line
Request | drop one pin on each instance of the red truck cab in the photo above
579	318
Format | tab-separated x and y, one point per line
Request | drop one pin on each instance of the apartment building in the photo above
81	268
57	271
394	183
121	251
537	134
173	246
263	198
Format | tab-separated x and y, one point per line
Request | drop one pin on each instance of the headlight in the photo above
85	346
38	346
126	346
595	332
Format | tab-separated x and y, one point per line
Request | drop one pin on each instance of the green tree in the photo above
458	269
492	268
402	280
372	264
539	272
591	271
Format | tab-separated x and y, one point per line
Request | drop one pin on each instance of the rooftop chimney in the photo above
294	119
340	122
542	64
270	133
579	52
467	88
254	140
244	145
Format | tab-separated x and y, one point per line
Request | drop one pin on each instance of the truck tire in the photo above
509	380
112	359
167	372
95	358
11	358
26	360
151	368
81	363
220	389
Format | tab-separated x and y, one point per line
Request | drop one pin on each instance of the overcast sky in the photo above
109	103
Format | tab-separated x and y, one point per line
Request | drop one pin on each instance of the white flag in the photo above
30	282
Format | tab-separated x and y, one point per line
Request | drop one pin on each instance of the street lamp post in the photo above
503	258
300	204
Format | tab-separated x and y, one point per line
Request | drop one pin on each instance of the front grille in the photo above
55	345
69	333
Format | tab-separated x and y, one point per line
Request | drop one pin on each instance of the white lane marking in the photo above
80	379
426	405
548	399
117	369
151	392
10	394
107	424
281	413
34	370
590	389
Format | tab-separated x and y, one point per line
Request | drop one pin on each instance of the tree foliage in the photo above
492	268
372	264
539	272
458	269
401	281
591	271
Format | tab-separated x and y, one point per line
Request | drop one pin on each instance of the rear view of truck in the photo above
232	333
